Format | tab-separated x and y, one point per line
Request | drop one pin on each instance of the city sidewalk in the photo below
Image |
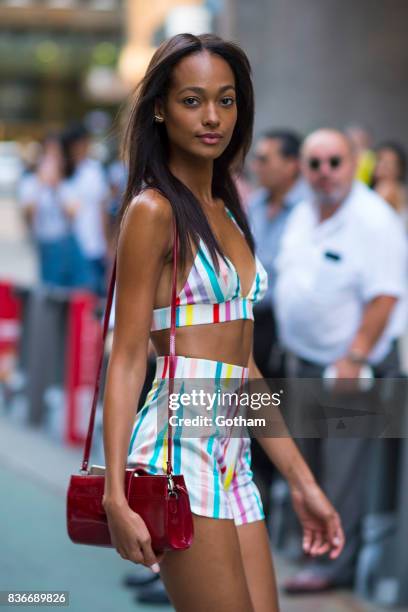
36	553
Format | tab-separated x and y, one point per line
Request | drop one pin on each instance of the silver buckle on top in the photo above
171	486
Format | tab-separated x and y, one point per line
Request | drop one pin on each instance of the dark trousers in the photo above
270	360
343	468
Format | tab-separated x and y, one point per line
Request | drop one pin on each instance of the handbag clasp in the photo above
171	486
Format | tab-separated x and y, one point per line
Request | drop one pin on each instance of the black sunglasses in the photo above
334	162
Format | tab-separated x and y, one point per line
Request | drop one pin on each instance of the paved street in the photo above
36	553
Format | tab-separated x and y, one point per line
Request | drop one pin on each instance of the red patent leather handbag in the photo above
161	499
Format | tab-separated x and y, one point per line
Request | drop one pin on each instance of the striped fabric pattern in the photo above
211	297
219	483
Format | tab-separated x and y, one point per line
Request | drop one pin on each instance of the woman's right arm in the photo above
144	242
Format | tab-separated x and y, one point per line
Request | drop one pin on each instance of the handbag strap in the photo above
172	357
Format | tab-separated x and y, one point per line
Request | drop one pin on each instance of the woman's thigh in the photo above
209	576
258	566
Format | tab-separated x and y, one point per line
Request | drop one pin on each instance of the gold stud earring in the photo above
158	119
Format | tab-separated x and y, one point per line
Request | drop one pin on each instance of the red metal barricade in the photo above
10	330
84	343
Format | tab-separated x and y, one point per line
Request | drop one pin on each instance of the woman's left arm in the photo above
322	530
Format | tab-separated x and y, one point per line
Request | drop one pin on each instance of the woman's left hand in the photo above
322	529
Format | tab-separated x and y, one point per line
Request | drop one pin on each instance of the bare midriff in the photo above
229	342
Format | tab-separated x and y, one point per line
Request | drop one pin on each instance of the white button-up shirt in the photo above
89	188
328	271
49	221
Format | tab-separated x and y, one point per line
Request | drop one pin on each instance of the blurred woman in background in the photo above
85	193
390	175
40	201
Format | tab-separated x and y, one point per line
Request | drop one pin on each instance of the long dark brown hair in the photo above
146	143
401	155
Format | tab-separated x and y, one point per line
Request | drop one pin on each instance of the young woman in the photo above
191	122
41	202
85	193
390	175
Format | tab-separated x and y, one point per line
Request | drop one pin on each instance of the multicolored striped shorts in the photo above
216	468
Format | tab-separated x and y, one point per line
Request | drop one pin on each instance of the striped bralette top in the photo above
211	297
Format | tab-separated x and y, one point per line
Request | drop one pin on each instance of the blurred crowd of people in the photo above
70	199
329	214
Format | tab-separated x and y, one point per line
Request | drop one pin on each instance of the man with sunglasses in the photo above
340	299
276	165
